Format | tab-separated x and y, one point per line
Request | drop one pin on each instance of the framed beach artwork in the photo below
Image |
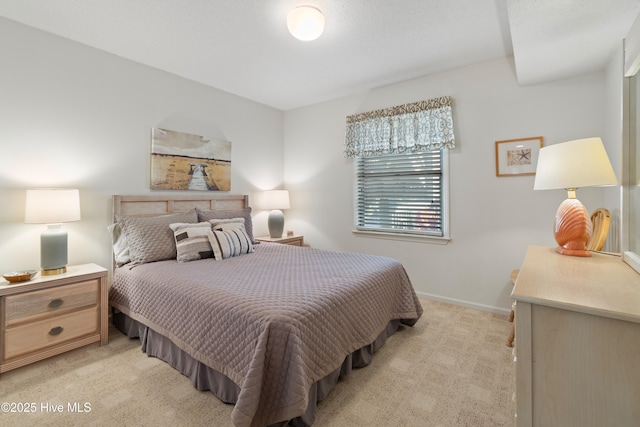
182	161
518	156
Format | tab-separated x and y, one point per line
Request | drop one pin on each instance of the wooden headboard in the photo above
152	205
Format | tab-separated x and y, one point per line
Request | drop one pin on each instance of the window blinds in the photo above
400	193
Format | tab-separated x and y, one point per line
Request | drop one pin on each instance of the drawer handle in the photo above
56	331
55	303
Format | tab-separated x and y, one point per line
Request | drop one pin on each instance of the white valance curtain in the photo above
419	126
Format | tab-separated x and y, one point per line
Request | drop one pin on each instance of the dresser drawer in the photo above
45	333
36	305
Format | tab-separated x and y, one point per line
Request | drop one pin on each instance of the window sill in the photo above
400	236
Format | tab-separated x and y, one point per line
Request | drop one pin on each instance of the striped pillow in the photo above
192	241
230	243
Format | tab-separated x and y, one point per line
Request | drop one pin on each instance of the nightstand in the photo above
49	315
286	240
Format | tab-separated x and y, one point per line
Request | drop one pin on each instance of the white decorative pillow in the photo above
192	241
242	213
230	243
228	224
120	245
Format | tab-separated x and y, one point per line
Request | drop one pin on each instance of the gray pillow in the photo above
241	213
150	238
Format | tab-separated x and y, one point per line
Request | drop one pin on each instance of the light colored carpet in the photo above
451	369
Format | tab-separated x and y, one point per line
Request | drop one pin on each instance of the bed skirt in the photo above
206	378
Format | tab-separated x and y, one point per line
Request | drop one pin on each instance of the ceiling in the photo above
243	47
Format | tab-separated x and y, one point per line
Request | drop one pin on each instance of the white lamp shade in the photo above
305	23
574	164
276	199
52	206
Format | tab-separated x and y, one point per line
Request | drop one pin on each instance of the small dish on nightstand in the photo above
19	276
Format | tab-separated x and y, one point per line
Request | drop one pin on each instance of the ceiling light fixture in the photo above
305	23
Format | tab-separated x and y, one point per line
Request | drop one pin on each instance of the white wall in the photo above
493	220
73	116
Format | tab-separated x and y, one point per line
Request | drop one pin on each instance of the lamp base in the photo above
276	223
573	228
53	271
53	250
573	252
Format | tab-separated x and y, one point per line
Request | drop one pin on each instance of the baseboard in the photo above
481	307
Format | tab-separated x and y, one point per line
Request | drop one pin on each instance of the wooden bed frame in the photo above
153	205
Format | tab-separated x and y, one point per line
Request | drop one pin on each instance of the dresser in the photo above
49	315
577	346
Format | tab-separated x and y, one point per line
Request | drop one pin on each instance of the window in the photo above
403	194
401	161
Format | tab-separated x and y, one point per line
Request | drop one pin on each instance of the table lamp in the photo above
571	165
52	206
276	200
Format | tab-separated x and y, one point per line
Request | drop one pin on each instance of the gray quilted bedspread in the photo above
274	321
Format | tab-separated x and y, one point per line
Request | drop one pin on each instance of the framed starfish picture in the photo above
518	156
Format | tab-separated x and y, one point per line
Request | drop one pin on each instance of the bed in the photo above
270	328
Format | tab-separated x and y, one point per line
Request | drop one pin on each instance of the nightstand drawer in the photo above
36	305
48	332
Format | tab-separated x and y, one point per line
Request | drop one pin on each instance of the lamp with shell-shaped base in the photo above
571	165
